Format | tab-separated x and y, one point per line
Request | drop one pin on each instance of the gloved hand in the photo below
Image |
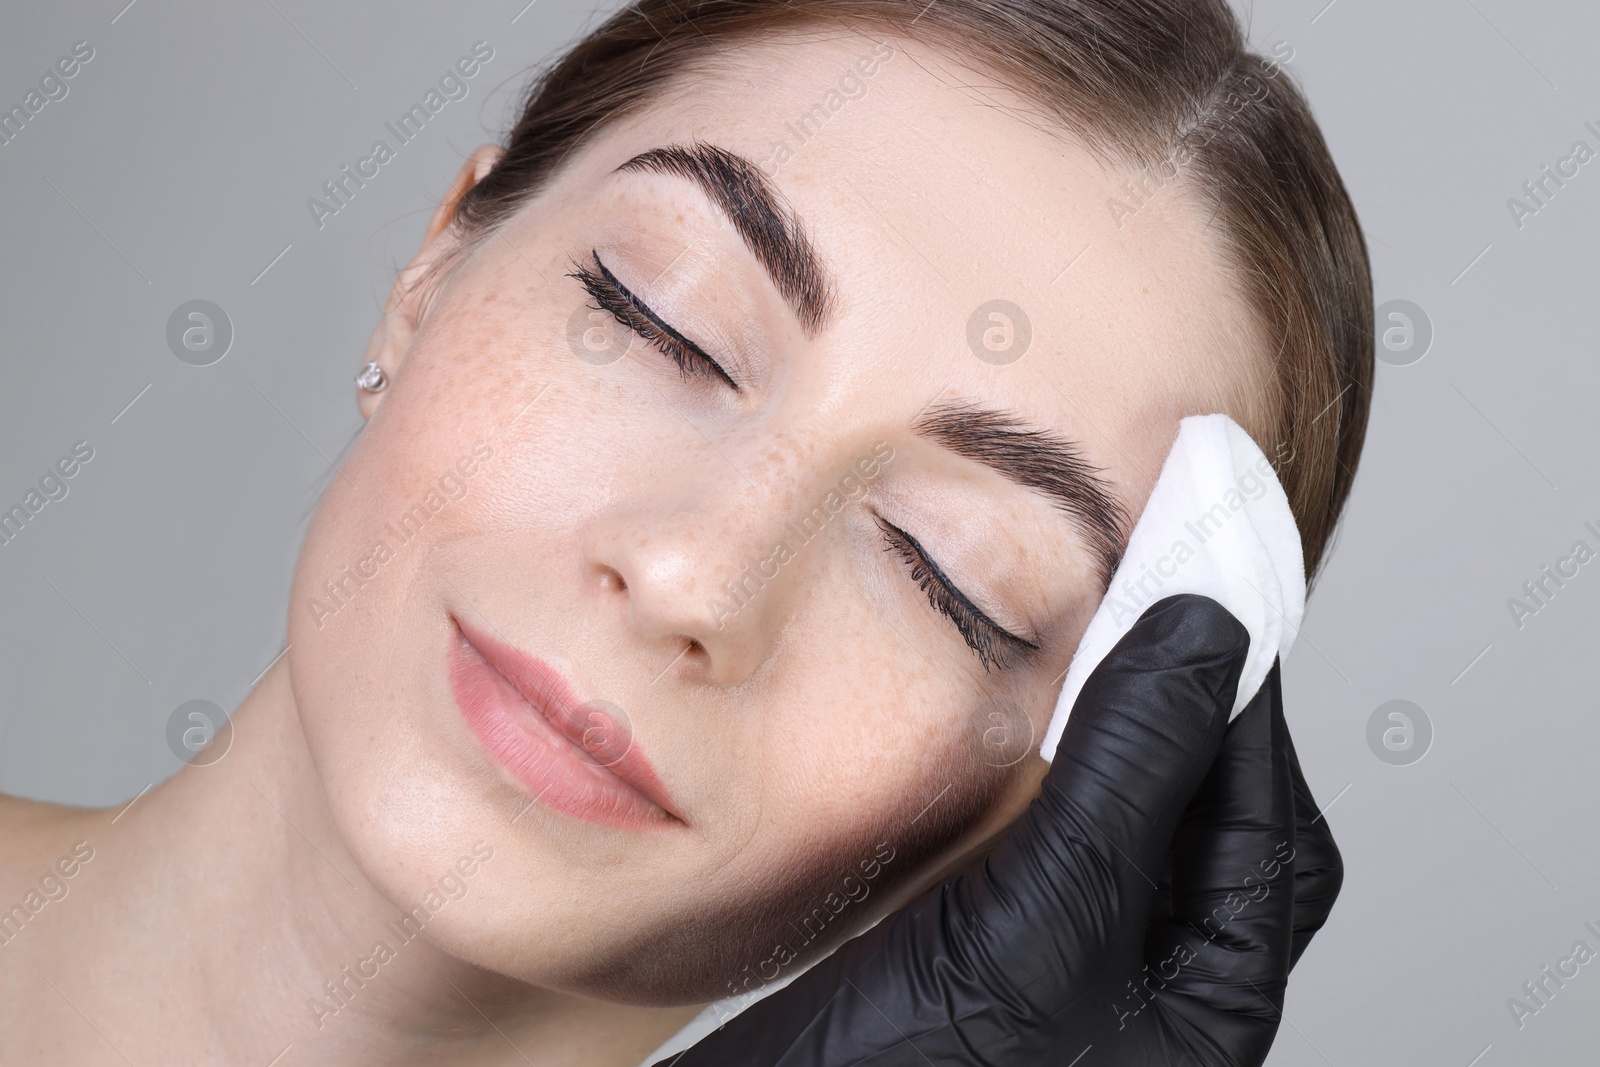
1146	908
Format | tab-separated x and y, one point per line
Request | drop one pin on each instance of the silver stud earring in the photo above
371	378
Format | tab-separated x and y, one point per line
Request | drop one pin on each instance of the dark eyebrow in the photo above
1040	461
770	229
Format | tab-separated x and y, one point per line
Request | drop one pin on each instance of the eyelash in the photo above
995	647
615	299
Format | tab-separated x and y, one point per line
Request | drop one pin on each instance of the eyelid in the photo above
625	306
971	612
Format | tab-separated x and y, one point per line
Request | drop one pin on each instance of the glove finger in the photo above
1138	743
1221	962
1318	867
981	968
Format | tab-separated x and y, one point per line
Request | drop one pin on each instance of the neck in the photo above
223	920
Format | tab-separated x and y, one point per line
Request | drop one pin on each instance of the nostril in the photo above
611	580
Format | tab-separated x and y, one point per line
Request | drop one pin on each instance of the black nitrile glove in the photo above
1146	908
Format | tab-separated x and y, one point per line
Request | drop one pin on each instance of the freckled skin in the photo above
826	712
595	513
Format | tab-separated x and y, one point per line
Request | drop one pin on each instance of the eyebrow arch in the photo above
771	230
1037	460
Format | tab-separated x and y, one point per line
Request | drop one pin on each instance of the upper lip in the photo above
549	694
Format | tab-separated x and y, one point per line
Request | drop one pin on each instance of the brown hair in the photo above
1164	87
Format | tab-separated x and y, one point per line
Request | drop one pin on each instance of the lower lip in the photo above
556	771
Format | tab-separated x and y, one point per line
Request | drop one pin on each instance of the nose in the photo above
700	572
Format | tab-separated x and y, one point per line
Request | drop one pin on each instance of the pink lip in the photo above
575	757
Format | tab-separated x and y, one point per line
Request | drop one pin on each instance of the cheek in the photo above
856	717
365	614
482	413
867	767
866	733
870	822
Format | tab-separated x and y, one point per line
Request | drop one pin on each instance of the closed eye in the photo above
995	646
614	298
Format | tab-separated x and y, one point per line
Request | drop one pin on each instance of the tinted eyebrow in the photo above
1038	460
771	230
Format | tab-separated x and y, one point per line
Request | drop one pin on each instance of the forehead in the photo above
939	199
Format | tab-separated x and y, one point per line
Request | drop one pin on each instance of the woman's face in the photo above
795	569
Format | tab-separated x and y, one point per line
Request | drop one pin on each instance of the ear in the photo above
391	338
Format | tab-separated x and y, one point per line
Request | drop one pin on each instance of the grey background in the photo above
178	168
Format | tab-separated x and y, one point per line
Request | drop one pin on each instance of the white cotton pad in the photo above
1217	523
